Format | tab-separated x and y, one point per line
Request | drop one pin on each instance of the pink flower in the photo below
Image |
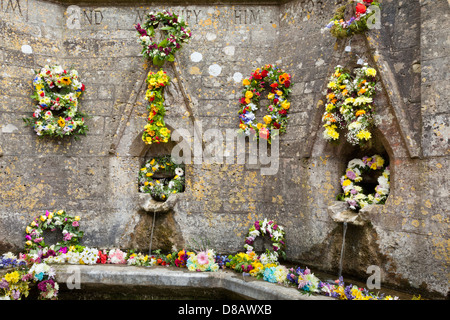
202	258
75	224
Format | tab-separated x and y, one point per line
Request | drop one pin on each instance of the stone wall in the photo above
96	177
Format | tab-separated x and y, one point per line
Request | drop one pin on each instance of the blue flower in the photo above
269	275
39	276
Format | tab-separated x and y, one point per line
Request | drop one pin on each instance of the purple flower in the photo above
351	175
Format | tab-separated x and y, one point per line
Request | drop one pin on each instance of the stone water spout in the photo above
148	204
340	212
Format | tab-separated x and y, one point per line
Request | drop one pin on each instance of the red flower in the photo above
277	125
368	1
287	83
242	101
360	9
274	85
257	76
282	112
264	73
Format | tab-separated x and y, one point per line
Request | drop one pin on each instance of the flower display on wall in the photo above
155	129
174	27
51	221
273	231
56	114
172	179
353	193
350	105
339	27
278	82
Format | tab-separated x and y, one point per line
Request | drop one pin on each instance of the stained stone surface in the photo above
96	177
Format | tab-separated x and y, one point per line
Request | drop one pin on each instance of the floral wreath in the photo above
56	91
340	28
350	104
160	189
69	226
353	194
156	130
274	231
277	117
178	34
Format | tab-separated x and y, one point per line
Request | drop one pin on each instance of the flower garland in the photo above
156	130
52	220
341	28
177	31
353	194
350	104
56	91
160	189
271	229
279	82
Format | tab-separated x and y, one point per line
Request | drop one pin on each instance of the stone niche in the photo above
156	216
339	211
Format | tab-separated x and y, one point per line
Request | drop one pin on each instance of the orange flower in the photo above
344	93
362	91
360	112
282	78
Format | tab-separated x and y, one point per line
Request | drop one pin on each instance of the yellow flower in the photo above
159	124
165	132
330	107
60	212
61	122
28	229
77	218
380	161
332	85
43	218
12	277
267	119
259	125
346	183
33	224
278	92
28	243
242	126
270	96
371	72
246	82
285	105
66	81
249	94
364	134
149	174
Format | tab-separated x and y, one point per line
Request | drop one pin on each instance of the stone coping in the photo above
124	275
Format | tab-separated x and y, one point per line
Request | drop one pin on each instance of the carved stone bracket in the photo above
148	204
340	212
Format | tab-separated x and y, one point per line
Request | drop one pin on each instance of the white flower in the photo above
179	172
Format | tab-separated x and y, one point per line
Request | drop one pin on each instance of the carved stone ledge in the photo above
148	204
340	212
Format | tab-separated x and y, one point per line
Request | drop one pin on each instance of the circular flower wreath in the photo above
353	194
56	91
156	130
341	28
177	31
160	189
350	104
279	82
69	226
270	228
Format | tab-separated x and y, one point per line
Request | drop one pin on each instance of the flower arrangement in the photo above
155	129
350	104
276	274
202	261
303	279
353	194
45	275
69	226
278	82
171	178
15	285
350	292
56	91
340	27
274	231
177	31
